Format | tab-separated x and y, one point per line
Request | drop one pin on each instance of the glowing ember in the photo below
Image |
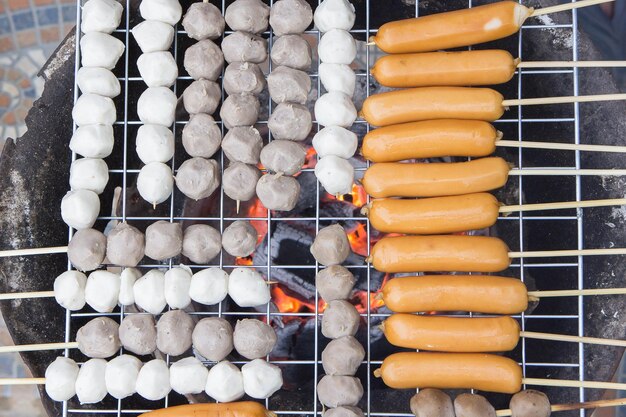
244	261
358	196
358	239
310	159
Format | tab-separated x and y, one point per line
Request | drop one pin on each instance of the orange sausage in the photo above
445	68
481	371
440	253
452	29
452	334
428	103
430	139
236	409
392	179
429	216
475	293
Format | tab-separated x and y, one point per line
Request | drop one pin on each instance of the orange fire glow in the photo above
358	196
358	239
310	160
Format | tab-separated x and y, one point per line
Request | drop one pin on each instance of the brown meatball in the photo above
243	144
343	356
278	192
335	391
473	405
530	403
164	240
203	21
290	121
198	178
201	243
239	181
240	238
99	338
87	249
240	110
345	411
125	245
340	319
204	60
290	16
254	339
201	136
138	334
331	246
283	156
288	84
174	330
248	15
334	283
432	403
202	96
213	338
243	77
244	47
291	51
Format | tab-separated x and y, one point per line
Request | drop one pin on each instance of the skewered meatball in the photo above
157	69
128	277
99	338
331	246
239	181
93	141
157	105
176	289
149	291
101	16
335	391
100	50
473	405
346	411
152	35
334	14
80	208
335	174
243	77
337	47
278	192
102	291
248	15
90	385
290	121
87	249
154	143
163	240
201	136
343	356
69	290
61	378
203	21
198	178
291	51
290	16
100	81
240	238
254	339
432	402
335	140
530	403
240	110
244	47
202	96
243	144
125	245
335	109
340	319
188	376
204	60
334	283
167	11
155	183
247	288
93	109
213	338
153	381
283	156
174	330
201	243
121	375
288	84
209	286
337	77
225	382
138	334
261	379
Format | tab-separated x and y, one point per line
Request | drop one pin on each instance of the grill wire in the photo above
368	54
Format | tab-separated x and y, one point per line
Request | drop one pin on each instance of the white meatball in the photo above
102	291
334	14
337	77
261	379
94	109
152	35
157	69
247	288
89	174
188	376
225	382
90	384
167	11
80	208
69	290
337	47
101	16
61	379
157	105
149	292
101	81
335	109
154	143
335	140
176	290
93	141
209	286
335	174
128	277
155	182
100	50
120	376
153	381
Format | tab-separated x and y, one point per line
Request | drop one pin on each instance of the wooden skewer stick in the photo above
22	381
562	100
567	171
22	295
567	6
33	251
574	339
574	406
561	146
573	383
576	293
563	205
571	64
573	252
39	346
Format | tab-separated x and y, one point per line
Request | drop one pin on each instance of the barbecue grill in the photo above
282	254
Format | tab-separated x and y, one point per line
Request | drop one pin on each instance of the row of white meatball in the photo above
153	291
335	144
125	375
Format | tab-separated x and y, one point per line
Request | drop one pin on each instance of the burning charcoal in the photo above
331	246
174	330
342	356
530	403
138	334
432	402
213	338
334	283
254	339
340	319
473	405
335	391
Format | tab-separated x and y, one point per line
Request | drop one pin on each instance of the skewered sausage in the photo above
155	183
203	21
283	156
530	403
225	409
334	283
248	15
290	16
278	191
243	144
152	35
239	181
291	51
99	338
331	246
125	245
481	371
204	60
188	376
201	243
87	248
163	240
440	253
174	330
253	339
138	334
239	238
391	179
473	405
154	143
202	96
201	136
198	178
431	402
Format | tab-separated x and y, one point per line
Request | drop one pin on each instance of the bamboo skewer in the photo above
571	252
568	383
567	6
562	100
22	381
574	406
38	347
563	205
574	339
567	171
576	293
571	64
561	146
22	295
33	251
